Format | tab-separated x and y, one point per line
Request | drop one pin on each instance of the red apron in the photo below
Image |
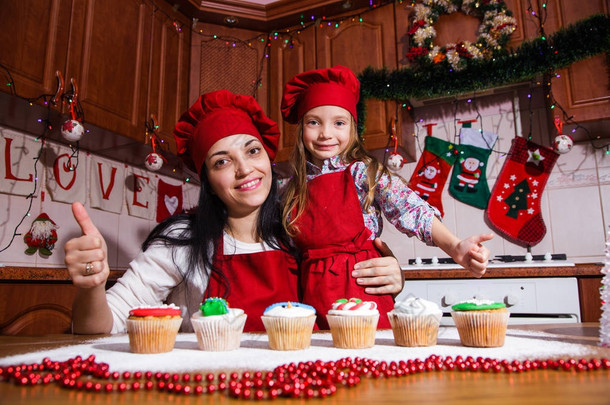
333	238
256	280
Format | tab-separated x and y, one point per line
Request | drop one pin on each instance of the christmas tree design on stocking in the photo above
432	171
514	206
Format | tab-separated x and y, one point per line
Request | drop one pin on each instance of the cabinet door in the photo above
167	71
357	45
286	62
582	88
33	45
107	58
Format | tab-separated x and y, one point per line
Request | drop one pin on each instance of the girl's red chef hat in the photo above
336	86
217	115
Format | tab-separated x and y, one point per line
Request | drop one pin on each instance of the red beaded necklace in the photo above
303	380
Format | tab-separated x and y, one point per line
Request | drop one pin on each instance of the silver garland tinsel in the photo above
604	322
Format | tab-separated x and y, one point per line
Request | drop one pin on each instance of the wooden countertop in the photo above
444	387
578	270
16	273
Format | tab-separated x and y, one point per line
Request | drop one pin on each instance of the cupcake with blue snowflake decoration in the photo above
289	325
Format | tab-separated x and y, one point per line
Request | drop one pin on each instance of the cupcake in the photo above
415	322
153	329
217	326
289	325
481	323
353	323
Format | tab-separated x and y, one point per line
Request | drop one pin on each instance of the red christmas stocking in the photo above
514	206
432	170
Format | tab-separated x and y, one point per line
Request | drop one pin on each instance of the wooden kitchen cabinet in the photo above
128	58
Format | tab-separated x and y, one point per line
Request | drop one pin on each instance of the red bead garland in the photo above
309	379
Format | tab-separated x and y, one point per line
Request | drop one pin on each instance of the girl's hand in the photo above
381	275
86	256
472	255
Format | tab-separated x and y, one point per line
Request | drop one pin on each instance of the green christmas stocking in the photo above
514	206
469	180
432	171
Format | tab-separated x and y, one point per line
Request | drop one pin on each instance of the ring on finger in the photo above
89	269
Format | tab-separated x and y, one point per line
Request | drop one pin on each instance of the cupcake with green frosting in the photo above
218	327
481	323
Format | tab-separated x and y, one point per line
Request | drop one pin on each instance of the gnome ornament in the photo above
72	130
41	236
153	161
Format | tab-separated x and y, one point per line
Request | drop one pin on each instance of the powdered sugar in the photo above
254	353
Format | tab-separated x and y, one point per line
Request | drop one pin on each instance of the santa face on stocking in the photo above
514	206
470	175
428	182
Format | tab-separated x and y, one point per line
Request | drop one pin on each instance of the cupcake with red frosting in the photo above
218	327
153	329
353	323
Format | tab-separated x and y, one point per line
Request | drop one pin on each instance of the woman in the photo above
234	245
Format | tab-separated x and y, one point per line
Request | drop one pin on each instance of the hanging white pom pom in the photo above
395	161
153	161
563	144
72	130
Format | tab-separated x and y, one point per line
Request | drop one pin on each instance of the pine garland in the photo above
581	40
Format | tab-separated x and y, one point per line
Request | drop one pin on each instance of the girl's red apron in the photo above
256	280
333	238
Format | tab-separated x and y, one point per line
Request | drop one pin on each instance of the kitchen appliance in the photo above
529	300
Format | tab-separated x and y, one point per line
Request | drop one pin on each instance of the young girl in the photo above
333	203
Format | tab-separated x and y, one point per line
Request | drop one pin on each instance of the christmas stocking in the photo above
468	180
432	171
514	206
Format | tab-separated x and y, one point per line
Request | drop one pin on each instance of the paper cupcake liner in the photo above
153	335
289	333
481	328
414	330
216	333
353	332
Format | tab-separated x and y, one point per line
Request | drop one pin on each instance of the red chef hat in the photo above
333	86
217	115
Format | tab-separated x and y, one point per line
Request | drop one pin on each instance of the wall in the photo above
575	204
123	233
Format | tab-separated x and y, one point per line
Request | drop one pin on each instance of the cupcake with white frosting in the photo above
353	323
217	326
481	323
289	325
415	322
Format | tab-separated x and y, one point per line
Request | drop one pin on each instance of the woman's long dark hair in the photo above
201	230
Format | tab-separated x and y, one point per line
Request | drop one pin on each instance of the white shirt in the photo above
154	278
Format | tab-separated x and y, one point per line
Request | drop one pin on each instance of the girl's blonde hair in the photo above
295	195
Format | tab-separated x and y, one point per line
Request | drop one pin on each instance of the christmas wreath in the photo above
497	24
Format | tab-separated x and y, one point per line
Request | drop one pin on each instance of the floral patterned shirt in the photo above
401	206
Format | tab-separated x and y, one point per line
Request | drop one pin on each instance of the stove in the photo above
529	300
